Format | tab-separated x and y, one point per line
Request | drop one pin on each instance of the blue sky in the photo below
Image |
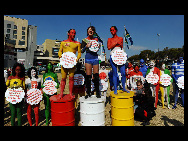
142	28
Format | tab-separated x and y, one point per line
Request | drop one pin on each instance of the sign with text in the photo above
180	82
79	79
34	96
14	95
165	79
119	57
94	46
50	88
152	78
68	60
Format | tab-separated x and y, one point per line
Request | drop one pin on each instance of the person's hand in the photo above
88	45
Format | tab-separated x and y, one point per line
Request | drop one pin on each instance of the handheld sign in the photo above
68	60
119	57
152	78
79	79
165	80
34	96
94	46
180	82
14	95
50	88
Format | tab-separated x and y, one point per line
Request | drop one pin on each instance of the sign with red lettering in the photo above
180	82
14	95
50	88
165	79
79	79
119	57
103	85
94	46
68	60
152	78
34	96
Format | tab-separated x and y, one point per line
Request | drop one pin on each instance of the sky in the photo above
142	28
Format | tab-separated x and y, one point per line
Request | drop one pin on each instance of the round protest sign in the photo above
79	79
94	46
119	57
152	78
50	88
103	85
68	60
14	95
180	82
34	96
165	80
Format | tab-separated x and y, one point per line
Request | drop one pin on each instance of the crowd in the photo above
135	77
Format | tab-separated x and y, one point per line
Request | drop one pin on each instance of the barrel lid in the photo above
65	98
121	94
92	99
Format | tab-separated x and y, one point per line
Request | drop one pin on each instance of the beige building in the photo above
19	31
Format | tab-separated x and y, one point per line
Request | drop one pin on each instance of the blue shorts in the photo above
92	61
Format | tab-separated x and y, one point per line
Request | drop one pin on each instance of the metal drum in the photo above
62	111
122	108
92	111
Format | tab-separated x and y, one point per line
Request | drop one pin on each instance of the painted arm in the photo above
60	50
79	52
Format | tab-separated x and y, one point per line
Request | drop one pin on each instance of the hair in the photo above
139	81
93	29
47	67
29	72
114	28
22	73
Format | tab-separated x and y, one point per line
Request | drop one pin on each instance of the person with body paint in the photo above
165	90
113	44
33	81
143	67
178	71
16	80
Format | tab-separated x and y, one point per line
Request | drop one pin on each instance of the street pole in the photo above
158	44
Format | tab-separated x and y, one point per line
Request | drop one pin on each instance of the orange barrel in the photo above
122	108
62	111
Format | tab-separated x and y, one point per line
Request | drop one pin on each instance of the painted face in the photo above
163	67
141	62
18	70
113	31
33	73
152	64
181	59
49	67
90	32
136	69
72	34
129	65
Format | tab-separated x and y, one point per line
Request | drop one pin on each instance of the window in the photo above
8	25
23	28
23	37
21	42
7	36
15	26
14	31
23	32
8	30
15	36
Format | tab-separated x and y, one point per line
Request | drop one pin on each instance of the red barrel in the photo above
62	111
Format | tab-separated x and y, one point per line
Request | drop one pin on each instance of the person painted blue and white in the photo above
143	67
178	71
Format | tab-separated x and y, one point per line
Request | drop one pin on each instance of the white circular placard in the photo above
68	60
94	46
50	88
165	79
180	82
14	95
119	57
152	78
34	96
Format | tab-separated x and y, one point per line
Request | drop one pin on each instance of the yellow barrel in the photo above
122	108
